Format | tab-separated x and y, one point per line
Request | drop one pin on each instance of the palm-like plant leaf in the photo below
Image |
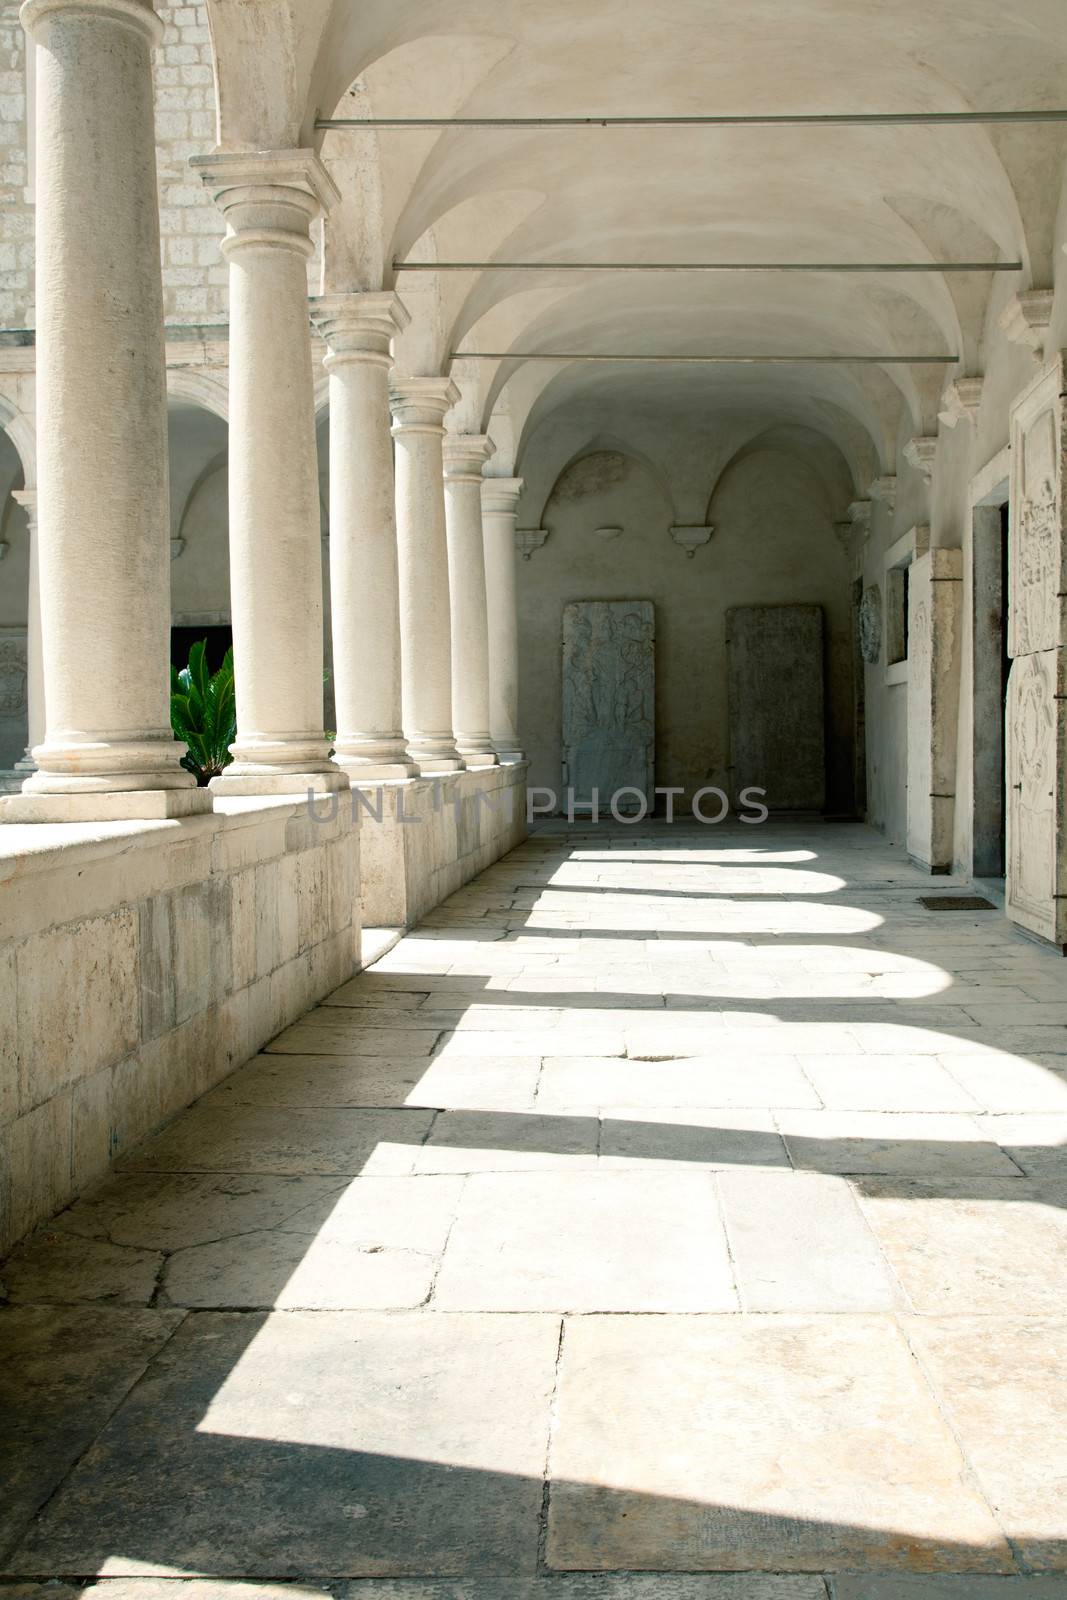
203	713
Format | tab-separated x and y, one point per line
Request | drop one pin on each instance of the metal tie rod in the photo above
712	361
841	119
708	266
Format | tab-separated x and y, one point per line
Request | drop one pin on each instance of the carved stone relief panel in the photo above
12	672
777	697
1036	570
870	625
1035	745
608	698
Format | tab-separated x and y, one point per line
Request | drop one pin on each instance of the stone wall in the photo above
140	963
422	840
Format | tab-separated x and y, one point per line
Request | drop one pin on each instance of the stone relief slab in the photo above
934	623
869	622
1036	546
609	726
777	733
1036	716
1035	751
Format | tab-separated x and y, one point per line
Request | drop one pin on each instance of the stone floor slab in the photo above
59	1268
63	1371
317	1445
910	1144
169	1211
296	1272
886	1083
715	1139
603	1241
706	1082
495	1141
284	1141
800	1243
778	1443
995	1245
1003	1384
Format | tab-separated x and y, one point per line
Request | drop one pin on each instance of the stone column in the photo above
500	499
35	718
104	534
365	606
465	454
269	200
419	406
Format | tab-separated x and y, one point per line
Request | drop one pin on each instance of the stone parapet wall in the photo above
434	836
140	963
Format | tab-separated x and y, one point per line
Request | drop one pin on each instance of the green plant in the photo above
203	713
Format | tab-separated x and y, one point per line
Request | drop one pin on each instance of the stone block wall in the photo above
455	827
194	273
140	963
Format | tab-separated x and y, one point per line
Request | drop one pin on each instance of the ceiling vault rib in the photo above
843	119
708	266
712	361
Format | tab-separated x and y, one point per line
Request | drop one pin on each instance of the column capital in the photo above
465	456
268	197
359	326
501	495
419	404
136	14
27	499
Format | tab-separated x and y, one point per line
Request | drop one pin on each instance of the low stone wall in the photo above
422	839
142	962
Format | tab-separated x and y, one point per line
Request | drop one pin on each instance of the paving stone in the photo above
635	1136
385	1214
61	1268
908	1143
699	1082
63	1370
305	1445
358	993
1005	1084
995	1245
800	1243
479	1141
1001	1381
1037	1144
167	1211
294	1271
277	1140
563	1041
948	1588
777	1443
324	1039
602	1241
886	1083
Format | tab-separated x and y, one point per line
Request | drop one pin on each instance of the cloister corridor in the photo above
677	1213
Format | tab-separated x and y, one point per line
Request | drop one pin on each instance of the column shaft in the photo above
269	200
500	499
104	535
364	595
464	456
419	406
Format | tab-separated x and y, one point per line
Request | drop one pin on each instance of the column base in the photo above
114	805
434	764
268	783
363	772
476	749
510	758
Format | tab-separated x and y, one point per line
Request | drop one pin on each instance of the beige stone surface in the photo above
640	1484
280	1141
565	1241
1012	1427
996	1246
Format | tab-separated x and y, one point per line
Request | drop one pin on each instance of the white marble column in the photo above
419	406
104	533
365	605
500	499
464	455
269	200
35	717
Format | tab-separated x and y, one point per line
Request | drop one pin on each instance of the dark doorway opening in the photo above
991	666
